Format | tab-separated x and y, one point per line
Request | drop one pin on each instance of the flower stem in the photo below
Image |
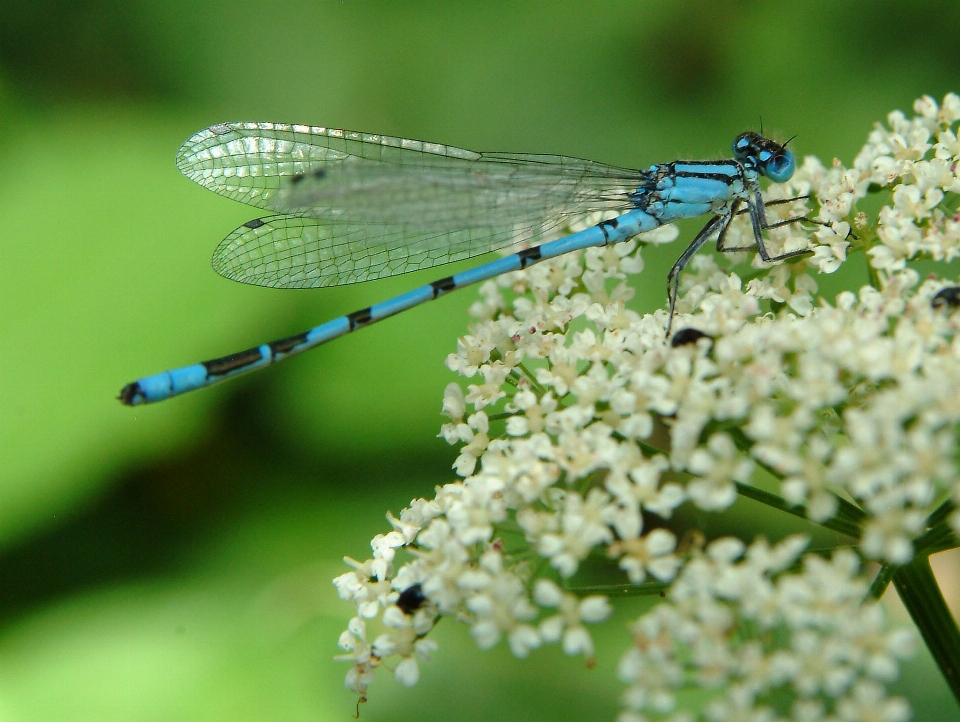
882	581
920	594
838	523
941	512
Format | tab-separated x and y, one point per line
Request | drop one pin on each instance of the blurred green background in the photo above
173	562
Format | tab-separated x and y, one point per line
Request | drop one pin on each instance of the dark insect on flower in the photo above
411	599
687	336
948	297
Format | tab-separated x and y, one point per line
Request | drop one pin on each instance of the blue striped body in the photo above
316	240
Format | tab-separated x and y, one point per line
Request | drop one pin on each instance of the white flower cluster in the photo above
459	571
759	642
582	431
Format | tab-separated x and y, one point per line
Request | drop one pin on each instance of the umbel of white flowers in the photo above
603	431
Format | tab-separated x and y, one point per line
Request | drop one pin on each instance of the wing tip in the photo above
199	141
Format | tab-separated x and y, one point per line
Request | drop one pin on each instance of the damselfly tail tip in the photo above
131	395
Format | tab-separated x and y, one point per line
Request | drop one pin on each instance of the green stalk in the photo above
920	594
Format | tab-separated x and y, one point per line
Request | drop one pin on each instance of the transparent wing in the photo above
347	176
299	252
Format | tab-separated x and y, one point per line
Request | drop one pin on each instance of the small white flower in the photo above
360	655
567	624
651	554
407	672
717	467
581	528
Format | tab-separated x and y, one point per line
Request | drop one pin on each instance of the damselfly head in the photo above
769	157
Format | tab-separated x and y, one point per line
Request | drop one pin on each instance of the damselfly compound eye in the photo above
779	168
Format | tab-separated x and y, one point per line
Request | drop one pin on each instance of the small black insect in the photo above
411	599
687	336
946	297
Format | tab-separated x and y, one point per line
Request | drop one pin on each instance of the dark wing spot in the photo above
255	223
297	178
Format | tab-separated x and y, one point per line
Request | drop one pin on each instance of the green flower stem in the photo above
937	539
837	523
873	276
622	590
649	450
941	513
882	581
538	389
848	518
921	595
